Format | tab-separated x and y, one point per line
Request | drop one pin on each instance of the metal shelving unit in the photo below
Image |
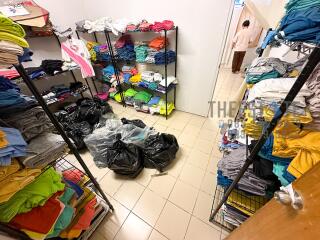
222	194
62	164
115	61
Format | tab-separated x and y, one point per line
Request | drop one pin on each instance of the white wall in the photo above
201	31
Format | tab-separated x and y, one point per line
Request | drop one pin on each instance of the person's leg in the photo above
235	61
240	60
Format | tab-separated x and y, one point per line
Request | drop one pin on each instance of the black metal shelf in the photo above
221	197
115	61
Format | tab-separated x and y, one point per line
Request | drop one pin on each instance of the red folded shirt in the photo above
40	219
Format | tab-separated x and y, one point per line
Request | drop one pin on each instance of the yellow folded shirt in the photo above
16	181
14	39
7	25
5	171
268	114
302	145
135	78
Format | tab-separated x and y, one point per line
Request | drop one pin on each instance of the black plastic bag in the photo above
77	132
137	122
125	159
159	150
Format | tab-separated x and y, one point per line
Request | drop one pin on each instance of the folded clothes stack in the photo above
266	96
12	42
294	5
125	48
144	26
265	68
164	25
12	145
158	43
11	102
301	145
30	123
141	51
230	166
9	73
108	72
43	150
313	101
159	58
35	72
102	53
59	93
301	22
151	54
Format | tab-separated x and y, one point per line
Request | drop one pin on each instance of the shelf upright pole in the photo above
166	69
175	67
310	65
57	125
114	63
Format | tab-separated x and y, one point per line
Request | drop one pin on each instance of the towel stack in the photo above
11	42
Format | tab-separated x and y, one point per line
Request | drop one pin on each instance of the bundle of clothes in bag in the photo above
127	146
81	118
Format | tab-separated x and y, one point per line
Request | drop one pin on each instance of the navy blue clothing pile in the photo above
160	57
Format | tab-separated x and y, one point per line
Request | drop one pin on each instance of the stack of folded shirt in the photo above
274	91
35	72
266	68
34	194
151	54
129	96
147	76
136	78
9	73
141	51
30	123
12	145
294	5
125	48
126	53
44	149
142	97
108	72
230	166
313	101
164	25
145	26
159	58
12	102
11	42
233	216
102	53
158	43
301	24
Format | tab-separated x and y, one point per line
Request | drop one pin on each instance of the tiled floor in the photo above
173	206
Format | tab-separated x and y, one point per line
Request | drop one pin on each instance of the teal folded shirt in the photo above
66	216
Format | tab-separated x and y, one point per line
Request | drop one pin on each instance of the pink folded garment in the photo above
131	28
144	26
9	73
123	40
164	25
102	96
